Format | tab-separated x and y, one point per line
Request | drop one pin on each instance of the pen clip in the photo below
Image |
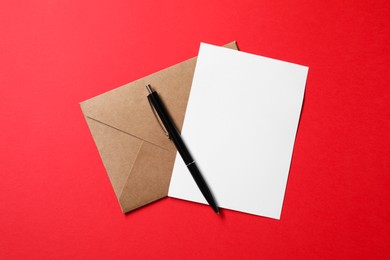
158	119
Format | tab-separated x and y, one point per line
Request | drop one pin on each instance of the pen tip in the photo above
218	213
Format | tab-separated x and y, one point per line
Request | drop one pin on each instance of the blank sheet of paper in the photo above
240	127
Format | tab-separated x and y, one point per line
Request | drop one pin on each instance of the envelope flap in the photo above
118	151
149	178
127	108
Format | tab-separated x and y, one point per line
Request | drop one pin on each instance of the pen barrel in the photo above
174	135
170	127
197	176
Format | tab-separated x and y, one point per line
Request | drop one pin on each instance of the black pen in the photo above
174	135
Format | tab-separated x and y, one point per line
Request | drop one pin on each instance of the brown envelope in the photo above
136	153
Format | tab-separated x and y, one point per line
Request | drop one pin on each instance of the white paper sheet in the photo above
240	127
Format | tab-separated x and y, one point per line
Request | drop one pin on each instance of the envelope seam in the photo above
128	133
128	176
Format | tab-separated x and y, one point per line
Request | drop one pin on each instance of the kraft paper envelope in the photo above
136	153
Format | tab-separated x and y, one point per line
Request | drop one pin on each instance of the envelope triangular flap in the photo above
149	178
138	171
118	151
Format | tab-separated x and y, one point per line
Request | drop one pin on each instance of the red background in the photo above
56	201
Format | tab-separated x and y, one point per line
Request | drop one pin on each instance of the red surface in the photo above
56	201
